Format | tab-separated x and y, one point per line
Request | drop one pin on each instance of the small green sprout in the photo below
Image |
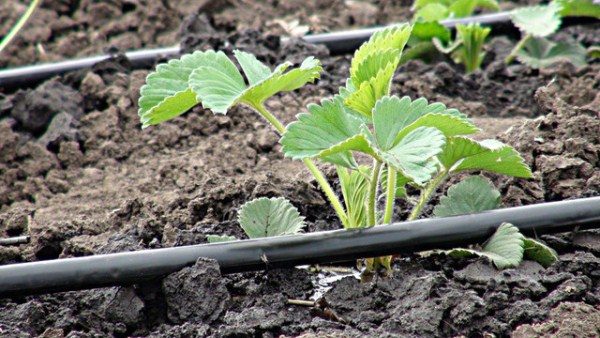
470	53
410	142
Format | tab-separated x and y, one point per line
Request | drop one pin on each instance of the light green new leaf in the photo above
472	195
375	62
538	21
267	217
488	4
472	38
220	238
373	67
432	12
504	248
462	8
393	37
539	252
425	31
585	8
355	187
363	99
220	85
541	53
327	127
166	93
412	155
461	153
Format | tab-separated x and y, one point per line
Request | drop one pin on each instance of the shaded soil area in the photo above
79	176
61	29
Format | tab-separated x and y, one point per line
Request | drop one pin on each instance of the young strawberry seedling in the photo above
410	142
536	23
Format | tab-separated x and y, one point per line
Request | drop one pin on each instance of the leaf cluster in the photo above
410	142
507	247
537	23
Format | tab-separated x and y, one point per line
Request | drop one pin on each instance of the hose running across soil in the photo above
288	251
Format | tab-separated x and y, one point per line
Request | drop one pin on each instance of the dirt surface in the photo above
61	29
83	179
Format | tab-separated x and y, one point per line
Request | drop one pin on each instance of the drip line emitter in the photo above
287	251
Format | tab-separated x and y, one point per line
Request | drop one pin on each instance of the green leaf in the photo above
393	37
457	148
355	187
425	31
539	252
324	131
363	99
268	217
373	67
472	195
538	21
412	155
449	122
418	4
432	12
462	8
220	85
309	70
422	50
541	53
585	8
504	248
488	4
472	38
166	93
462	154
254	70
394	118
220	238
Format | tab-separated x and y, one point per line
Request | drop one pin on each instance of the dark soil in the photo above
82	178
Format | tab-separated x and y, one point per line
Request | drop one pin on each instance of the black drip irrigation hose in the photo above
288	251
337	43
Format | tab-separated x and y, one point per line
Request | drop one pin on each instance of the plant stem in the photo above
517	48
390	195
321	180
17	27
333	199
430	188
372	197
269	117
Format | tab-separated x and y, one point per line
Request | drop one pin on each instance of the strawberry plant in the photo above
408	142
538	22
468	46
